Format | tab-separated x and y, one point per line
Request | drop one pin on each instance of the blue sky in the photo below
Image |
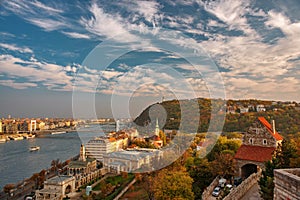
124	55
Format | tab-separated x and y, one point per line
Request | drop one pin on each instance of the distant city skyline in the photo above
123	56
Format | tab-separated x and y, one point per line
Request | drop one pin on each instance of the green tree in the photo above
281	159
285	152
266	182
201	172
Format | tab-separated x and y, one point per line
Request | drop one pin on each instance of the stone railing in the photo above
238	192
207	192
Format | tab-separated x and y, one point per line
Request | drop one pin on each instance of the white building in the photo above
100	146
244	110
131	160
132	133
56	188
260	108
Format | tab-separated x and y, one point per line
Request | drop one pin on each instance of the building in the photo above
132	133
40	125
56	188
99	146
84	169
287	184
244	110
259	143
260	108
131	160
32	125
0	126
82	166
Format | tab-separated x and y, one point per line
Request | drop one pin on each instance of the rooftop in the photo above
129	155
59	179
254	153
269	128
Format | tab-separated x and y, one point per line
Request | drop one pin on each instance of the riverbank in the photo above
22	188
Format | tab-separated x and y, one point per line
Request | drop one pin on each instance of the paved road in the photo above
252	194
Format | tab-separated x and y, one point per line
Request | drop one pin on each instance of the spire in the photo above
157	128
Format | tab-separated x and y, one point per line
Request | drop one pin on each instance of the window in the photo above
264	141
251	141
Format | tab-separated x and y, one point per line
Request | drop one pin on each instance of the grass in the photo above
116	181
137	192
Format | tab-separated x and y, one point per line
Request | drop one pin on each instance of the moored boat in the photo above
2	140
17	137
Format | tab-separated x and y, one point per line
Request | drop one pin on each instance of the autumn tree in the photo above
224	165
173	185
8	187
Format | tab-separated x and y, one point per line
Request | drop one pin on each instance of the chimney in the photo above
273	126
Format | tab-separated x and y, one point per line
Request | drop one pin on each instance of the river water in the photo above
18	163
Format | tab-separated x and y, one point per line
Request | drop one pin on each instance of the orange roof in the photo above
269	127
254	153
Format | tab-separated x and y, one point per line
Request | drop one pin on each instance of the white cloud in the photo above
48	24
13	47
16	85
231	12
45	7
147	9
76	35
39	14
107	25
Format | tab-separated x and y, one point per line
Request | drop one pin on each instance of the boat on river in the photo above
58	132
34	148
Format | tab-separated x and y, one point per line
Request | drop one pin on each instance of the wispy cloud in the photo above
48	24
76	35
107	25
17	85
37	13
13	47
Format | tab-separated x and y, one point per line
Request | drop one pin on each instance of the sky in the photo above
114	58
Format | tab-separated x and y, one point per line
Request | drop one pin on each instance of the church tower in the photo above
82	156
157	128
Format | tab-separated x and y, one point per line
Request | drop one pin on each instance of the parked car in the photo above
222	182
228	187
216	191
237	181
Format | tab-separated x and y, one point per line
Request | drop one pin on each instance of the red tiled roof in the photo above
269	127
254	153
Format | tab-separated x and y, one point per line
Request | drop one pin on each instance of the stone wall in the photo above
207	192
238	192
241	163
287	184
257	133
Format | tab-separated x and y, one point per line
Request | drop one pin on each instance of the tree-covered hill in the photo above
239	114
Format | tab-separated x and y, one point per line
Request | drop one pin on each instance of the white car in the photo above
216	191
229	187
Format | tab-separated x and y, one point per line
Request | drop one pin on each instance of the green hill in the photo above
239	114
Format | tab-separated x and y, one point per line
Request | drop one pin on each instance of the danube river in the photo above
18	163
